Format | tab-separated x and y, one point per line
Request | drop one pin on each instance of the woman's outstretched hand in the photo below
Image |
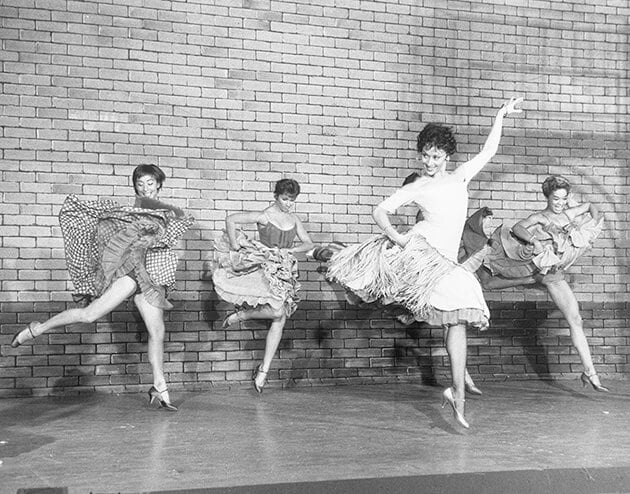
512	106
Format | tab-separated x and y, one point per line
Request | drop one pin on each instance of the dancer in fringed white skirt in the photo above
419	270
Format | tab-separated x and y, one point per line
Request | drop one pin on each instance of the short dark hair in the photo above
152	170
438	136
286	186
553	183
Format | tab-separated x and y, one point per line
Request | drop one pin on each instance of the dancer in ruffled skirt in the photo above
539	249
114	252
260	276
419	270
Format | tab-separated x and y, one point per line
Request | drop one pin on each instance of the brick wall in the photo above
228	96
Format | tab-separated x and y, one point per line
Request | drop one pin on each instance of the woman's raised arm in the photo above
469	169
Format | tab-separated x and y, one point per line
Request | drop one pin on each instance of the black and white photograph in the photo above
314	246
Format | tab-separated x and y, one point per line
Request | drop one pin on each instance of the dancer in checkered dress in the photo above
114	252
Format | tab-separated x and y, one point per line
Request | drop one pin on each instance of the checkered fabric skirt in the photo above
105	241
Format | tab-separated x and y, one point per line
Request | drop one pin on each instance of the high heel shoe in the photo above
15	342
155	394
470	386
259	372
227	322
593	380
447	396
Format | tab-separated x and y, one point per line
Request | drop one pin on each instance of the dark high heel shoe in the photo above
447	396
470	386
155	394
15	342
593	380
259	372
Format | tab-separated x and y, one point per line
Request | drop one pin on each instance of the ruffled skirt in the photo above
510	258
417	277
255	275
105	241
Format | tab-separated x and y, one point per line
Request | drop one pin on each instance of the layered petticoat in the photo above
511	258
255	275
105	241
417	277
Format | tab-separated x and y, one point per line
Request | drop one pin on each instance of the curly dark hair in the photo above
439	136
553	183
286	186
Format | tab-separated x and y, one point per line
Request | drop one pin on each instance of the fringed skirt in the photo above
255	275
430	287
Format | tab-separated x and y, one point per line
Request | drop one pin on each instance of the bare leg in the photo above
500	283
457	353
456	348
565	300
120	290
274	335
262	312
489	282
153	318
278	319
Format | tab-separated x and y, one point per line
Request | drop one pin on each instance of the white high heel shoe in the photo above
593	380
447	396
470	386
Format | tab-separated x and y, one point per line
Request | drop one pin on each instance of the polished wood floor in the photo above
119	443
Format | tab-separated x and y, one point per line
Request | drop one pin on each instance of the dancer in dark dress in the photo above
539	249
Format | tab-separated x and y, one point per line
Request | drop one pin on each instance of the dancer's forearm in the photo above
230	229
382	220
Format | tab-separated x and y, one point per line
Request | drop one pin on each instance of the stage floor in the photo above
380	438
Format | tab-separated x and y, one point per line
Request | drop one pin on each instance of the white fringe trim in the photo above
383	271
